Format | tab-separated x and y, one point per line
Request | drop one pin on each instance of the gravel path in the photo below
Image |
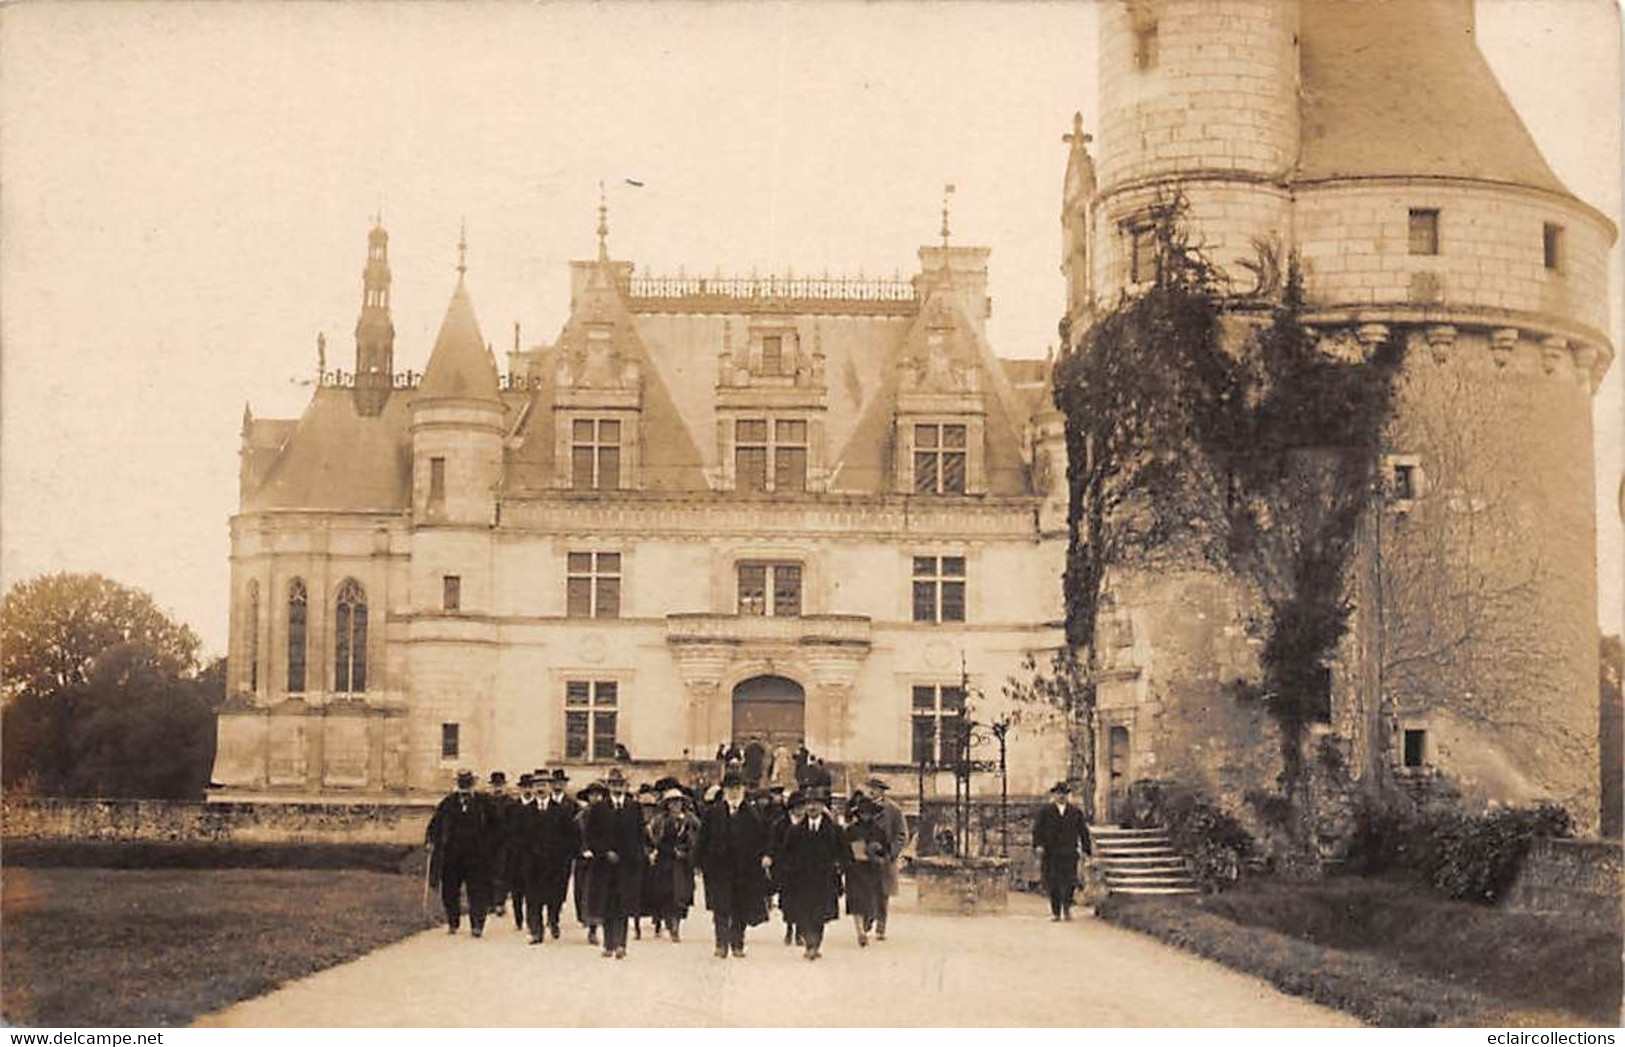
1016	970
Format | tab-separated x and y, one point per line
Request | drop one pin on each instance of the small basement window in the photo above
1552	245
1416	747
1424	227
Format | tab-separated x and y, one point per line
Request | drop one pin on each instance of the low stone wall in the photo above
984	835
966	886
231	822
1578	877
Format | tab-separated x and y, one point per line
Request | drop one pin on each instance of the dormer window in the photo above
595	454
773	354
939	459
770	454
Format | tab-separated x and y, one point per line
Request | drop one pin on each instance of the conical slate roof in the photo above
460	367
1400	88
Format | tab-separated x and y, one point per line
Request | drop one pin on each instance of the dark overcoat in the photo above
676	841
866	878
460	826
558	841
731	850
810	865
1064	836
616	839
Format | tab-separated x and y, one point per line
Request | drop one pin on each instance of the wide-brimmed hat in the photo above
591	787
673	793
539	775
878	784
499	778
668	782
1061	788
465	779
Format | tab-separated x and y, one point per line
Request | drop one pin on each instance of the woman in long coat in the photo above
813	856
868	854
674	835
588	912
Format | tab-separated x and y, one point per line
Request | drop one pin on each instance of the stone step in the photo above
1115	831
1141	864
1169	880
1131	849
1155	890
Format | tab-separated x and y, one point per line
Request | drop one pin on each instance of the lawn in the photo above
1393	953
142	947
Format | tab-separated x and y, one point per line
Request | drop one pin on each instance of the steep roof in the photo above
335	459
1400	88
460	367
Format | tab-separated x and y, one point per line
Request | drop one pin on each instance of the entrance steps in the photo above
1140	861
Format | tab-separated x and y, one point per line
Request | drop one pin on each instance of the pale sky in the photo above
187	190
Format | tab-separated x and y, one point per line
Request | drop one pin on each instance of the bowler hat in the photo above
878	784
797	799
526	781
1061	788
499	778
465	779
560	776
615	777
539	775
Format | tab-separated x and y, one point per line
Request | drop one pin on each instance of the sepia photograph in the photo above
818	515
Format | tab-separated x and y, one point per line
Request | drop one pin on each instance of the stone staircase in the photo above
1140	861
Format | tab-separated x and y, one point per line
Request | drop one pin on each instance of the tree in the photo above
52	629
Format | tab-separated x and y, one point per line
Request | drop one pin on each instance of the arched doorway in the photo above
773	708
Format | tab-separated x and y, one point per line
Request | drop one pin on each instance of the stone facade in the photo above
710	508
1419	207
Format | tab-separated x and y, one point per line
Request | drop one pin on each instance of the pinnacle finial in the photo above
1078	138
603	222
947	191
462	249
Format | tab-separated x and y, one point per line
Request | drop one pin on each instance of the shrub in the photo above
1209	837
1463	856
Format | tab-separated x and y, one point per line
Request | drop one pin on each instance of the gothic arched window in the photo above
251	644
350	639
297	616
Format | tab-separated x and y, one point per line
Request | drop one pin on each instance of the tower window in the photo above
1142	253
451	592
595	454
1416	745
1552	244
450	741
1145	45
593	585
437	480
1424	230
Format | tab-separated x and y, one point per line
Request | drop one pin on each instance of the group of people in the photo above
633	855
780	766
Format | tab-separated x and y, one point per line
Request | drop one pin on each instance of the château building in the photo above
710	509
1374	143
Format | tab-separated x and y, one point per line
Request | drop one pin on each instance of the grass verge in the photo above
144	947
1394	955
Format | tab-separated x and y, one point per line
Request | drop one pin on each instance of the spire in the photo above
374	330
461	366
603	224
947	191
462	250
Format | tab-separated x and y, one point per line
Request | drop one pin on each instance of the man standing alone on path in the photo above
734	858
894	824
613	840
459	837
1061	837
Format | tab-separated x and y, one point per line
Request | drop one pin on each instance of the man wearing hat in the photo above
795	812
894	825
1060	836
459	835
522	825
735	861
613	840
812	859
588	910
558	841
496	859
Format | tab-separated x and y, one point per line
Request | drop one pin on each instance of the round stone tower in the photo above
1375	143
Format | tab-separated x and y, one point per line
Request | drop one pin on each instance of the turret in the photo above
457	421
374	330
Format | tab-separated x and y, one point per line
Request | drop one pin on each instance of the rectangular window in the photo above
437	479
450	743
1552	244
1145	46
938	723
1404	482
451	592
1415	748
595	454
593	585
589	719
1142	258
770	455
939	588
772	589
772	354
1424	230
939	459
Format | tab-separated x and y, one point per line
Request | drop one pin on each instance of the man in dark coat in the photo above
755	757
521	827
459	836
613	840
734	859
559	841
895	826
1060	836
811	860
496	859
